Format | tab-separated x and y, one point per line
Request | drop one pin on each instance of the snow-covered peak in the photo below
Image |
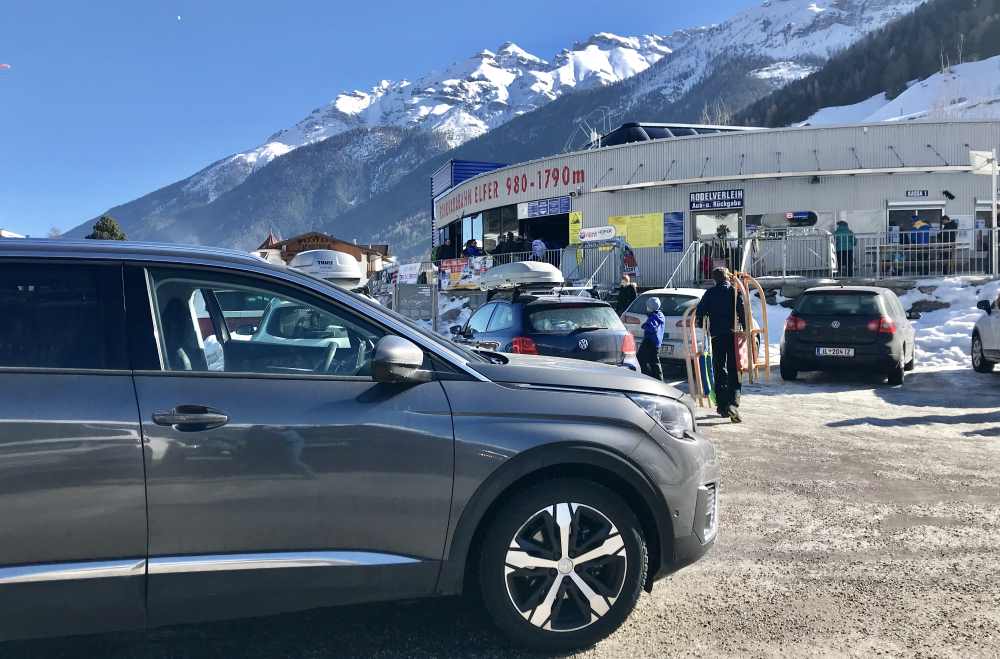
795	34
472	96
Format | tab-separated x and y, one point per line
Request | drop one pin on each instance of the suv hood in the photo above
573	373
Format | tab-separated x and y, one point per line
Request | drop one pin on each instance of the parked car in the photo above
137	488
673	303
848	327
572	326
986	337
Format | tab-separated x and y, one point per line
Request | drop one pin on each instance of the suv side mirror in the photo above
455	330
245	330
985	306
398	360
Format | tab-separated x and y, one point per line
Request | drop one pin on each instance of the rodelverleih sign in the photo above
716	200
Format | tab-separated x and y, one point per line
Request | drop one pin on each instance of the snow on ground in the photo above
944	336
963	91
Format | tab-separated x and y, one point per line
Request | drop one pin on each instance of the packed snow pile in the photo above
963	91
944	335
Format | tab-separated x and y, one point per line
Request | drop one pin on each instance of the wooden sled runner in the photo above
753	351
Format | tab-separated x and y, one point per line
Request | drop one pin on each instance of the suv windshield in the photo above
670	305
566	318
839	304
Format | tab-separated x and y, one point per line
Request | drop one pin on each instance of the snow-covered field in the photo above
963	91
944	336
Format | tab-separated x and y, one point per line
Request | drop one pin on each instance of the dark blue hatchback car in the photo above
549	324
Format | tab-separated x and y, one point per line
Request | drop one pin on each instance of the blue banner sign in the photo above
715	200
673	232
553	206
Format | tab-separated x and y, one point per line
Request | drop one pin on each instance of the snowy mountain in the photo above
795	36
461	102
518	104
963	91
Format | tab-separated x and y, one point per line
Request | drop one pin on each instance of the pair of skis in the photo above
751	360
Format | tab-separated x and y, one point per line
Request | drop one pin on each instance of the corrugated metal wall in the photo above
910	144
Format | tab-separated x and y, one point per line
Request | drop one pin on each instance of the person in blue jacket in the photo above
652	339
723	305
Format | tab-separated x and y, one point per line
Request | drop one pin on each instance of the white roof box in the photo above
336	267
524	273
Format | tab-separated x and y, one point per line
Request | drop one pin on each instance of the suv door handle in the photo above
190	418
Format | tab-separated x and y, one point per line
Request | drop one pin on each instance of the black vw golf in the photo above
855	327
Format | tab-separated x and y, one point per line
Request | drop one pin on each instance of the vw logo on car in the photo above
835	324
583	343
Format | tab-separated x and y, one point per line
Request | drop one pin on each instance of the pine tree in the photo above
107	228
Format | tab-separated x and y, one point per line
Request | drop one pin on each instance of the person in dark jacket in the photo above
723	306
844	241
444	251
652	339
627	293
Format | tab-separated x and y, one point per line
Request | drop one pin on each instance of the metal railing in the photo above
875	256
684	274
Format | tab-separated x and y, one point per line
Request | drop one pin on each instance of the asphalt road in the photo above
857	519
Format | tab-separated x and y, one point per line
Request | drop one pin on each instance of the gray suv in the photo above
156	469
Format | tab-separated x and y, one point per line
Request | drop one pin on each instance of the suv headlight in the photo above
672	416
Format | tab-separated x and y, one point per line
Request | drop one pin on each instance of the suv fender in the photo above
563	460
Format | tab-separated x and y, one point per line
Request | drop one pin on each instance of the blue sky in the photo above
107	101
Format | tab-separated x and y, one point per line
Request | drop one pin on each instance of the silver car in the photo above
141	487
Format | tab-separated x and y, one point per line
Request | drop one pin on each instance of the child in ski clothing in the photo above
652	339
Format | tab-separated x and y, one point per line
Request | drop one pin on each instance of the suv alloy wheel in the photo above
562	565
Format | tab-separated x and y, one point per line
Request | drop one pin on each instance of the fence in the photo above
865	257
875	256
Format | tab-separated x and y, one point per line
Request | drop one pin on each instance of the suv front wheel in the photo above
562	565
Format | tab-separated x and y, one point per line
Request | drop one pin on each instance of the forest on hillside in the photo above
938	34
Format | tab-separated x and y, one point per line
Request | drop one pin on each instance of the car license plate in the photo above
666	349
834	352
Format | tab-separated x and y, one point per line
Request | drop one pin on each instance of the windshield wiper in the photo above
492	357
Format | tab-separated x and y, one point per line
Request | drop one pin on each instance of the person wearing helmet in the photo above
652	339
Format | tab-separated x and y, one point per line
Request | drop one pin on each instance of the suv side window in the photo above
213	322
503	318
62	316
480	319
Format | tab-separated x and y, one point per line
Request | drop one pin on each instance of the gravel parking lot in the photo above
858	519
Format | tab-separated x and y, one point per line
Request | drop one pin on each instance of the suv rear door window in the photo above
566	318
839	304
62	316
503	318
481	319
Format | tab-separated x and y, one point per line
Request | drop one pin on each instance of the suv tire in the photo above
895	375
788	371
543	601
912	364
979	362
